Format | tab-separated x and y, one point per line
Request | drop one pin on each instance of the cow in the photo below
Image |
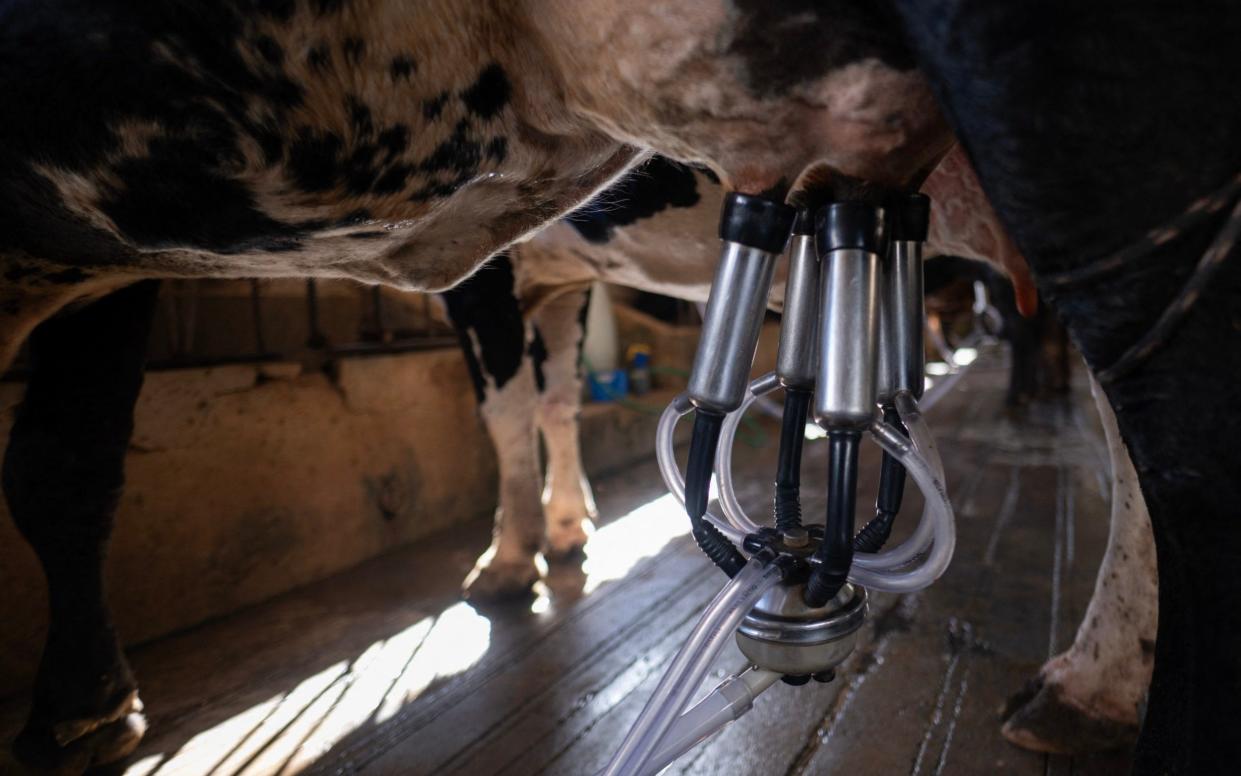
520	321
376	140
1107	140
1091	697
405	144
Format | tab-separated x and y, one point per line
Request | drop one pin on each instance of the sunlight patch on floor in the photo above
230	746
289	731
459	638
617	547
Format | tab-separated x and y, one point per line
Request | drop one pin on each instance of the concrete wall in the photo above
246	481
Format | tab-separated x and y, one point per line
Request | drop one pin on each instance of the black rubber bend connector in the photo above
834	557
787	501
878	529
702	446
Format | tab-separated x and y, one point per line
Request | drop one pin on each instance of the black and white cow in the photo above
369	139
404	144
520	320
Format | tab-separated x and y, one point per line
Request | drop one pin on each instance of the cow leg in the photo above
1090	697
511	565
1023	375
24	308
62	478
486	314
1055	361
1021	334
1102	171
568	504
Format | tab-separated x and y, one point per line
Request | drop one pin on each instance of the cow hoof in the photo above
501	581
1041	719
70	748
566	540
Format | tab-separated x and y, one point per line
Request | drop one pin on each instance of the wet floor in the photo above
384	670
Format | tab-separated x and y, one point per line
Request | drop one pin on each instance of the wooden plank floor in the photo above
383	670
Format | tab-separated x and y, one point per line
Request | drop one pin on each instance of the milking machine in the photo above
850	357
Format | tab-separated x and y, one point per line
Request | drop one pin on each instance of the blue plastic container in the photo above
608	385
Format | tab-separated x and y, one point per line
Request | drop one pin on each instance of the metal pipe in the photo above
850	240
901	350
730	331
799	322
795	367
754	231
904	306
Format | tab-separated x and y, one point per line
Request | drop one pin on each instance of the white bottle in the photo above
599	349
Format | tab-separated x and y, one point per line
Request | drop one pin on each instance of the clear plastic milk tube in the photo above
690	665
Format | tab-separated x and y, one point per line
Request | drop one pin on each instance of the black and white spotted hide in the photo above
524	365
526	380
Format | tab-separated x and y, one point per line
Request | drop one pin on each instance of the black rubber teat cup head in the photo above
910	217
756	222
854	225
804	223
